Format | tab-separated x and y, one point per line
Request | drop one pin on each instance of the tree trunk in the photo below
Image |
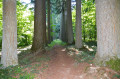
39	40
9	42
66	40
108	30
69	23
49	28
78	41
63	27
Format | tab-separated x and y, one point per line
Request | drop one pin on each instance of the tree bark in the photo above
66	40
78	41
63	26
9	41
49	28
70	37
108	30
39	40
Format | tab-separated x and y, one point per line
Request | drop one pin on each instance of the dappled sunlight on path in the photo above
63	66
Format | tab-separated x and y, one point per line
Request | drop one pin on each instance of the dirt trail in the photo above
62	66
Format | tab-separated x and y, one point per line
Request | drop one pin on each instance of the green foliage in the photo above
91	44
1	24
85	57
25	18
12	72
24	57
56	42
28	76
4	73
88	16
55	25
116	76
83	54
89	20
58	5
114	63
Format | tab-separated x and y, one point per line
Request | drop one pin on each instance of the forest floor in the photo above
63	65
59	62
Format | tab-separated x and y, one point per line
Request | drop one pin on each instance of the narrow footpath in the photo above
63	66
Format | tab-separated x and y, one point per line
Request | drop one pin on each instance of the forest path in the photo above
62	66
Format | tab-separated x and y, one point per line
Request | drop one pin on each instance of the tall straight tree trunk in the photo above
49	28
108	30
69	23
63	27
44	21
78	41
66	36
39	39
9	41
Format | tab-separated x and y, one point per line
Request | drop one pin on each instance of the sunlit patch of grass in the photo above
84	54
84	57
57	42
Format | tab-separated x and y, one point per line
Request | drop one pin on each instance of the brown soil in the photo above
63	66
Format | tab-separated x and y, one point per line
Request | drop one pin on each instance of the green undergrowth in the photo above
84	54
56	42
85	57
24	57
34	64
91	43
114	64
15	73
116	76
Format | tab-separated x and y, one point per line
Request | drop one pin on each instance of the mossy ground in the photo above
114	64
